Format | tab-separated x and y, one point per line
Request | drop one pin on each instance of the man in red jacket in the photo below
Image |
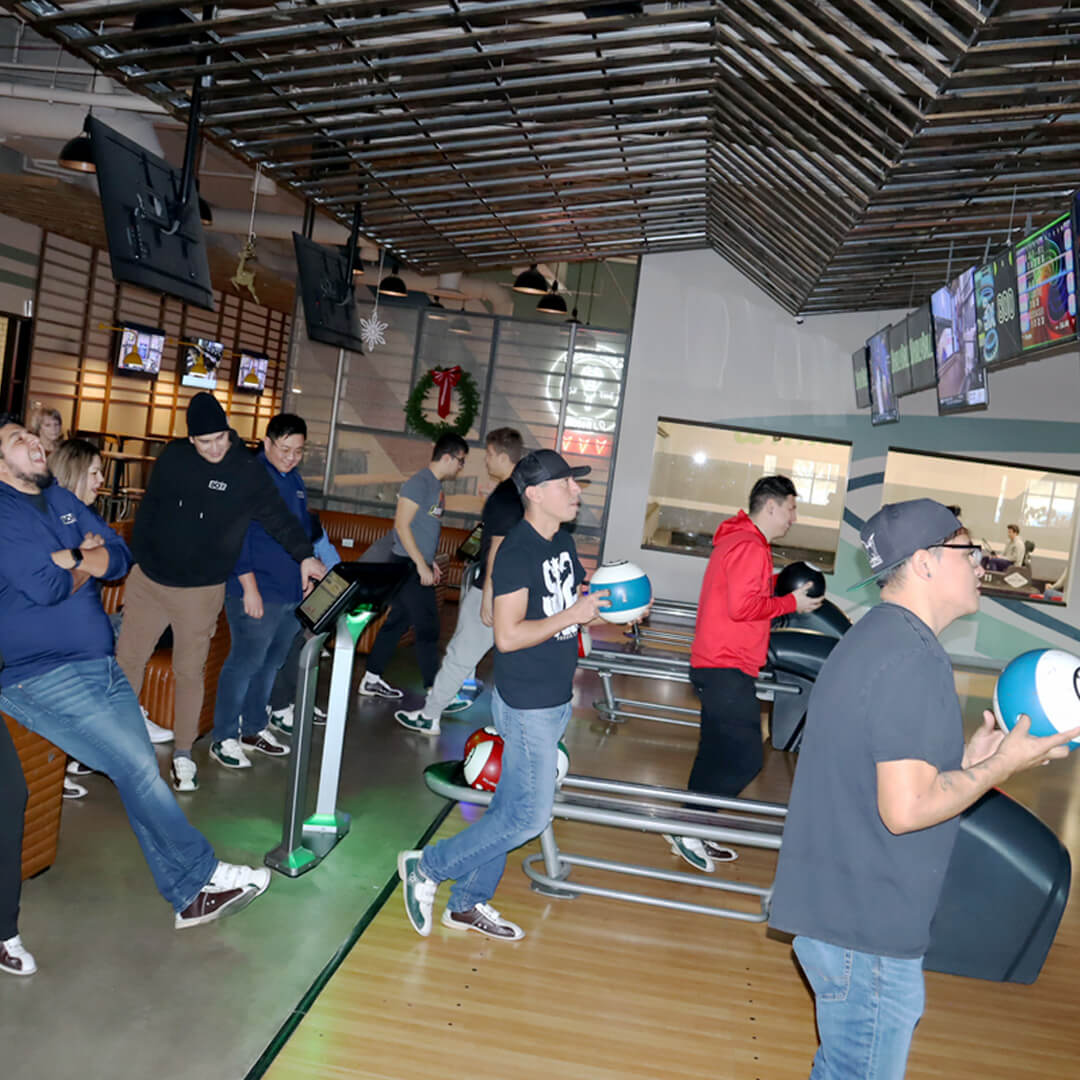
731	640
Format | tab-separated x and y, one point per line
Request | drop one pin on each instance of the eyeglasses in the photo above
974	551
460	460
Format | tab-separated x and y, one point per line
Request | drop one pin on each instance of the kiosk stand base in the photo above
321	832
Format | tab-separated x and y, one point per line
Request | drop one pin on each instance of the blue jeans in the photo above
88	709
867	1008
259	648
519	810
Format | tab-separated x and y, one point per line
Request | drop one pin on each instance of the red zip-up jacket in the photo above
737	604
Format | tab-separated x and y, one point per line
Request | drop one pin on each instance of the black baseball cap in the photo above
540	465
900	529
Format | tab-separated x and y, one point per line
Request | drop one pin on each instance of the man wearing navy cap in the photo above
538	608
883	774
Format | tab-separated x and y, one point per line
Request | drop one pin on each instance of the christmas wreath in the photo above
447	380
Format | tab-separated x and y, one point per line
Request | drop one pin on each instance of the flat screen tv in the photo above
200	359
899	358
137	349
251	372
327	294
883	407
154	241
961	378
1046	286
995	304
921	364
862	378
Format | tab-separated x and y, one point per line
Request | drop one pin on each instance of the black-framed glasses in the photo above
974	551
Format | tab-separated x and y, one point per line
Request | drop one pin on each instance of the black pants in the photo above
12	808
283	693
414	605
729	751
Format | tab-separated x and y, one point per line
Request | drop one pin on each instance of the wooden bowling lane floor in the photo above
602	989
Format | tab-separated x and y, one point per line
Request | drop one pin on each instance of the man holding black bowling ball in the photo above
731	643
883	774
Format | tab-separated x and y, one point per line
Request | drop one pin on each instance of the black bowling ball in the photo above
797	574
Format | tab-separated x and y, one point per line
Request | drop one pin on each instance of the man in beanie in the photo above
883	775
538	609
203	493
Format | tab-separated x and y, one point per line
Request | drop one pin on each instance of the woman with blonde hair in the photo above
47	424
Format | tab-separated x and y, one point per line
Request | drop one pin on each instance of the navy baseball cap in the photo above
540	465
900	529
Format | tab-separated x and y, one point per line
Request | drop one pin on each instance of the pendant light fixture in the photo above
392	285
460	324
531	281
78	155
552	303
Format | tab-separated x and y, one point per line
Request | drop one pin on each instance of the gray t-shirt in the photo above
886	693
424	489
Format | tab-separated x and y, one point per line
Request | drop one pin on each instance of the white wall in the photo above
19	247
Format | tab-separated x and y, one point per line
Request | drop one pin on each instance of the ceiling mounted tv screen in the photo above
883	407
961	378
862	378
995	304
327	294
251	372
154	241
921	364
899	358
200	359
138	349
1046	286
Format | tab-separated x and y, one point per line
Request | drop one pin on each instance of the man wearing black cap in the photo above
538	609
203	493
883	774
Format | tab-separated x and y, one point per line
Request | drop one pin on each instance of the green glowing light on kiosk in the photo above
357	621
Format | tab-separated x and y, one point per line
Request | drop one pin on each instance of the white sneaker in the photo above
73	790
230	753
284	719
14	958
185	774
157	733
230	888
375	686
266	742
692	850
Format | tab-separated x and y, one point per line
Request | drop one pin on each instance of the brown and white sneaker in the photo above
15	959
230	889
484	919
266	742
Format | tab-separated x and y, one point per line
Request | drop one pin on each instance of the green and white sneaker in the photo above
459	704
418	891
692	850
418	722
230	753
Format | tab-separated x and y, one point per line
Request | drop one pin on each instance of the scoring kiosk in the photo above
349	597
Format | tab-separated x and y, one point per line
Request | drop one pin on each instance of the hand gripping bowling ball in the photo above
483	760
1043	684
629	591
797	574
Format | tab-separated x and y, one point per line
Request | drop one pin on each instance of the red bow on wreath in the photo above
445	379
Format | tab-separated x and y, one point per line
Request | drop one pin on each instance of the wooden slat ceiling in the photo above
843	154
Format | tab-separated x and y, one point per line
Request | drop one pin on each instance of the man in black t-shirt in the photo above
473	636
537	610
883	774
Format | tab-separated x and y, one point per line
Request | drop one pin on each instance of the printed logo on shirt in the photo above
558	572
217	485
67	519
437	508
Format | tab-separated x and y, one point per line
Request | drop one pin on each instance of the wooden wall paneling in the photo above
95	387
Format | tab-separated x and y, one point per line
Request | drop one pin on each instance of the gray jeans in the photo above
470	643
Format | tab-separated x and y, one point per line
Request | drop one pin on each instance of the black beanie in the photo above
205	416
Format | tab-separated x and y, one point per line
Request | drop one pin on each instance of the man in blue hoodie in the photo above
61	680
261	596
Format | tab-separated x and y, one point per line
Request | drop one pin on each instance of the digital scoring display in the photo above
899	359
883	407
995	305
961	377
1046	285
862	378
921	364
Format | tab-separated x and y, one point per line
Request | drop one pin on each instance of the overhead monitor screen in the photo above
1046	286
862	378
139	349
961	378
251	372
921	349
883	407
995	304
199	363
899	358
327	294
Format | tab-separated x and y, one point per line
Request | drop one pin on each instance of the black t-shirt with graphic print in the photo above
540	677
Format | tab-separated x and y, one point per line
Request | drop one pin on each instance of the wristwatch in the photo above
76	554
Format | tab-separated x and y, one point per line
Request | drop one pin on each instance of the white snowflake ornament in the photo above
372	331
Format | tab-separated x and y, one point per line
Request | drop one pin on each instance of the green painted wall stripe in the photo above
18	255
9	278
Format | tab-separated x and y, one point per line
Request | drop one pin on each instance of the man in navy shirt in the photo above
61	680
260	603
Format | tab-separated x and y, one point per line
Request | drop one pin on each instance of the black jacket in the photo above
192	520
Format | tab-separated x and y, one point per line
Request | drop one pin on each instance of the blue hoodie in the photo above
43	624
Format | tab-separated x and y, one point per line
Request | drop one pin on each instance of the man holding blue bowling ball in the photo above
731	644
883	774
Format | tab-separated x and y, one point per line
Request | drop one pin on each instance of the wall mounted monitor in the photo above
251	369
961	378
995	305
154	241
327	294
883	407
921	363
137	350
1046	286
899	358
862	378
200	359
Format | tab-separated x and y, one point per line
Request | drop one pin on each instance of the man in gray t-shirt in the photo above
417	522
883	774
